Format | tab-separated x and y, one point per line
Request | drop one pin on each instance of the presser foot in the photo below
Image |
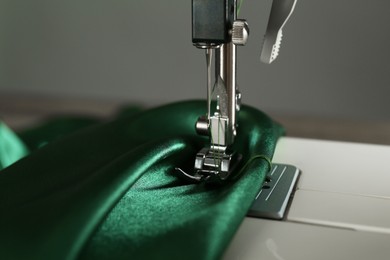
212	166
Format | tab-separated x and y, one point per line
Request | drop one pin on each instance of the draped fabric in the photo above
11	147
109	190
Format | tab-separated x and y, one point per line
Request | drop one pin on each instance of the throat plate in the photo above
272	200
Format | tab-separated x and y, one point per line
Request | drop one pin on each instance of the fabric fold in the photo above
110	191
11	147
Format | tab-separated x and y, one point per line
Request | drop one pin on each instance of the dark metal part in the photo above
272	200
211	21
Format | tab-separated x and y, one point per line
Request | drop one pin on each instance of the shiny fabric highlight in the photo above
11	147
109	191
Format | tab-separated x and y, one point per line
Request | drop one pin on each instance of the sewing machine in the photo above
216	28
332	215
341	208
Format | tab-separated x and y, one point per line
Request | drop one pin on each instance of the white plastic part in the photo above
340	211
280	13
349	211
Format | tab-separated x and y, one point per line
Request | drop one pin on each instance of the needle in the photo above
209	55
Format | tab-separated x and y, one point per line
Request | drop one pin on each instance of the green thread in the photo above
217	155
258	156
239	6
219	152
212	142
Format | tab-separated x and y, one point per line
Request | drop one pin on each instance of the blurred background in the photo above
92	56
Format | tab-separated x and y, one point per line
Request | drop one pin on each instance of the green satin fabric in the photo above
53	129
109	191
11	147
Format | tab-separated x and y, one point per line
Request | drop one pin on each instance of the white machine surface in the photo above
341	209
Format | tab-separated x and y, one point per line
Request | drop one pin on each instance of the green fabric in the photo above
11	147
109	191
53	129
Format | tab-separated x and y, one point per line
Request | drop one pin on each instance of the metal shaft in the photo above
226	68
230	57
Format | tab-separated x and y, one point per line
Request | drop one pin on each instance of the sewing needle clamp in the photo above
216	29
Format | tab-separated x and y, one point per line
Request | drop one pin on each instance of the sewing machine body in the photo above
341	209
335	213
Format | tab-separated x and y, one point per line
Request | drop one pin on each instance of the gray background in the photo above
334	60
